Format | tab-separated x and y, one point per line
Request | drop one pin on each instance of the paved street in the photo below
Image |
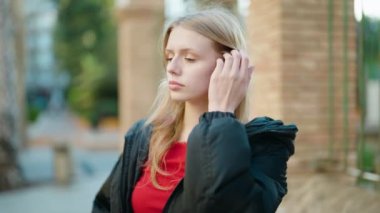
92	153
51	198
90	170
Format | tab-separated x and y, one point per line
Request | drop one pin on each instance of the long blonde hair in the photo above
166	116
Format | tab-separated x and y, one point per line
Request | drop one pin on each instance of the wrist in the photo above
216	114
220	109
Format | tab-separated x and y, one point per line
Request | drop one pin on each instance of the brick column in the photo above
229	4
289	44
264	29
140	68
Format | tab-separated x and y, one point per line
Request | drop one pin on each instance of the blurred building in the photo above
44	83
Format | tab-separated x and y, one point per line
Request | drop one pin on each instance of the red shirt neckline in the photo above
148	199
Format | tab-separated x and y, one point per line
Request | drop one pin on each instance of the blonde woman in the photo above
196	152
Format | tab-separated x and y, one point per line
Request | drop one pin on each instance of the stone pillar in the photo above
140	25
289	44
63	163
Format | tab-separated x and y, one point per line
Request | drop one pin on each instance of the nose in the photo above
173	67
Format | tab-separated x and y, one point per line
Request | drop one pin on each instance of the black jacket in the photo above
230	167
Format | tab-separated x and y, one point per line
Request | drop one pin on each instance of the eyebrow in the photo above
193	51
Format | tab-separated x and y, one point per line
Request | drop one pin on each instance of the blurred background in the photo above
70	87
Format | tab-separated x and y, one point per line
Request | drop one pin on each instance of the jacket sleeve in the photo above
223	173
108	197
102	201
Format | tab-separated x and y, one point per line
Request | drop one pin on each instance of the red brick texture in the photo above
289	46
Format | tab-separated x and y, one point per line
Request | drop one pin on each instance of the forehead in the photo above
183	39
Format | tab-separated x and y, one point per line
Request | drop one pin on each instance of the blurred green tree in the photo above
371	46
85	46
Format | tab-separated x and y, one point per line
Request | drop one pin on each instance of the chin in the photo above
178	98
187	98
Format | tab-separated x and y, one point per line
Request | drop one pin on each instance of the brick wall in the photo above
264	26
289	44
140	68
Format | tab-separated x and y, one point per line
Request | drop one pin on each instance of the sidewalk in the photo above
93	154
90	170
51	198
65	127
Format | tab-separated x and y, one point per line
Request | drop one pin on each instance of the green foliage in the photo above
85	45
87	80
32	113
368	158
371	46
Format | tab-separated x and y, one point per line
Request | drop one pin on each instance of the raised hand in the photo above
229	82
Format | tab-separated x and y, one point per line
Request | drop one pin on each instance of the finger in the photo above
219	65
236	61
244	63
227	62
248	77
250	70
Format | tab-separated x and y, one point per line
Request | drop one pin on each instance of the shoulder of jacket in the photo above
138	127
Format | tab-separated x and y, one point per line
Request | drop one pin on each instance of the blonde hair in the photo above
166	116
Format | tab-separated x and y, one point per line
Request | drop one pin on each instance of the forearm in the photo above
220	168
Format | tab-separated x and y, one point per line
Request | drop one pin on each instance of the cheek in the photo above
203	77
200	73
207	70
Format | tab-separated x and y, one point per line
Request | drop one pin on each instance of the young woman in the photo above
196	152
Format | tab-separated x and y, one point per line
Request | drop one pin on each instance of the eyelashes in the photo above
190	59
186	59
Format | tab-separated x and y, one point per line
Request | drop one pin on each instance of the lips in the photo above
175	83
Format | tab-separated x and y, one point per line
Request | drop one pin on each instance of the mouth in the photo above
174	85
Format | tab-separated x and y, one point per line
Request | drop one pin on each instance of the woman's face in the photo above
191	59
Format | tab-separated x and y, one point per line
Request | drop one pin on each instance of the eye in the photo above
169	59
190	59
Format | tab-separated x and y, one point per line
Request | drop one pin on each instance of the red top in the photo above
148	199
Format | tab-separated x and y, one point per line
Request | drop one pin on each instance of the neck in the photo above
191	117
